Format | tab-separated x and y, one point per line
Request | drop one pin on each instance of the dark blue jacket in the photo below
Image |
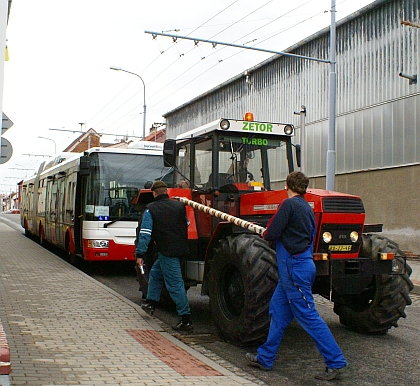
164	223
293	224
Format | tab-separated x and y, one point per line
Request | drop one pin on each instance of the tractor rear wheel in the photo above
242	280
383	302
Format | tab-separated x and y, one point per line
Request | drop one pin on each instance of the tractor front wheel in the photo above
383	302
243	277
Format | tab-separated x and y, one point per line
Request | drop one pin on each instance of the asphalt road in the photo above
391	359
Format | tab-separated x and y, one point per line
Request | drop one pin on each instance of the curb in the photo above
4	353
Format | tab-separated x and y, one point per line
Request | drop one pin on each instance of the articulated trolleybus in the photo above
83	204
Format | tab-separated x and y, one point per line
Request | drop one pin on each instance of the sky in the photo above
58	76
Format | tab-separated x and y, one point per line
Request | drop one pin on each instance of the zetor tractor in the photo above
240	168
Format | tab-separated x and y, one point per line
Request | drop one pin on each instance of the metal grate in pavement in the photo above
198	338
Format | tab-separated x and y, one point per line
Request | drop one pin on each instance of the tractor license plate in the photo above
339	248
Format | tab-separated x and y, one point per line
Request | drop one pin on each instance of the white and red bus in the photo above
81	202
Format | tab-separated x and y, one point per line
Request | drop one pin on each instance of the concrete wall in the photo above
391	197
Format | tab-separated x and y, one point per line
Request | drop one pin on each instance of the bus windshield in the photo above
115	180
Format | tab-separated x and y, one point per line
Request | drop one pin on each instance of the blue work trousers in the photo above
293	298
168	270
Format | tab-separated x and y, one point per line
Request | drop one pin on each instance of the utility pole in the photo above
332	98
4	12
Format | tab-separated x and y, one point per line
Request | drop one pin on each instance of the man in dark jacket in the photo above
165	223
293	230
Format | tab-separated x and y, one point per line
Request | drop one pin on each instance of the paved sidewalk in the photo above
65	328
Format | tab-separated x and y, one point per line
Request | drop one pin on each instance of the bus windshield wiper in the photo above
128	216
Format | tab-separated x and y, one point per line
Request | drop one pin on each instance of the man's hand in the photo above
139	259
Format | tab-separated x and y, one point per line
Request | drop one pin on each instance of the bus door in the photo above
59	212
79	205
49	209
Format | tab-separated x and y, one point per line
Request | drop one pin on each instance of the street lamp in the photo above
49	139
144	96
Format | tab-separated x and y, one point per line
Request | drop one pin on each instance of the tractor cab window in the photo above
186	174
243	162
240	164
203	163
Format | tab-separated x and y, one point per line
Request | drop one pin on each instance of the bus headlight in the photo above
354	236
326	237
98	243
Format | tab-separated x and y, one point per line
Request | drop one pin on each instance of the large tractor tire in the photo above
383	302
243	277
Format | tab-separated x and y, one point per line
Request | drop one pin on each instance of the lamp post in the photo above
144	96
49	139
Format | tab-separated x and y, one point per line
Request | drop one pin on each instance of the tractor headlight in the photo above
326	237
98	243
288	130
398	266
224	124
354	236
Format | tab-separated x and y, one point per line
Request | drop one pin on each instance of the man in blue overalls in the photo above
293	229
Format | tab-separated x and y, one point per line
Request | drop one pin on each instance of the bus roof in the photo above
61	161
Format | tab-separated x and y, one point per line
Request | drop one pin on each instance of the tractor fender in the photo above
223	230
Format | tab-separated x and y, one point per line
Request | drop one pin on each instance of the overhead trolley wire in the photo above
294	9
269	36
154	60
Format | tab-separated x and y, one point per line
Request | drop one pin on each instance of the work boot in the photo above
149	307
254	360
331	374
184	324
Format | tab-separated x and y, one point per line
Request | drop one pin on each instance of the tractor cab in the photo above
226	159
232	154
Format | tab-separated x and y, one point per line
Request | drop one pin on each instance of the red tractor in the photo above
239	168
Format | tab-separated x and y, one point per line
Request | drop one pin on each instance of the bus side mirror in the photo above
84	165
169	152
298	154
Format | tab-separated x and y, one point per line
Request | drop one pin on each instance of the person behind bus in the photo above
293	229
165	223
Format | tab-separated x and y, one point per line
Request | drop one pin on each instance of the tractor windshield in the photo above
242	162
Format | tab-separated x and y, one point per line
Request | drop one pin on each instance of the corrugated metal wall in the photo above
377	121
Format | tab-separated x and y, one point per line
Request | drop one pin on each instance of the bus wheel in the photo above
41	238
72	259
